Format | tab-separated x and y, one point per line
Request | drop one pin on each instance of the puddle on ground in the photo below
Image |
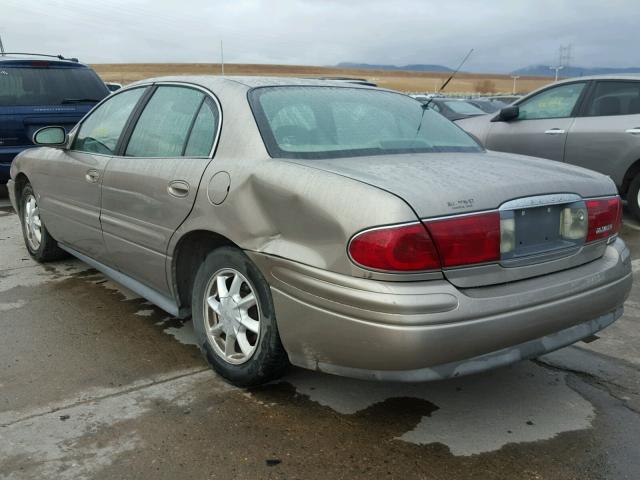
534	404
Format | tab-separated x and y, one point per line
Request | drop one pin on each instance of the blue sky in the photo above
506	34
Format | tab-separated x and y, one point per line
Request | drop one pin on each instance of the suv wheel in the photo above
40	244
234	319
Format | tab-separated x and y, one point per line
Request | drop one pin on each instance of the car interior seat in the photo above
608	106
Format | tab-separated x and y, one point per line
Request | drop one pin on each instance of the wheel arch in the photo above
190	251
629	175
20	182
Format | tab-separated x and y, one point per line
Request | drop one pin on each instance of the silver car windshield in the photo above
331	122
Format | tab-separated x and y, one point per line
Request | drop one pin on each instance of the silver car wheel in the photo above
32	222
231	316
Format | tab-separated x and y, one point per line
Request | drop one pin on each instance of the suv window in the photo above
163	126
203	132
615	98
557	102
100	132
46	85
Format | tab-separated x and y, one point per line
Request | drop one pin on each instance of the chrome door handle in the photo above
633	131
554	131
178	188
92	176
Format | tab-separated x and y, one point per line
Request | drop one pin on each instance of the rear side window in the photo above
100	132
557	102
203	132
615	98
33	85
165	123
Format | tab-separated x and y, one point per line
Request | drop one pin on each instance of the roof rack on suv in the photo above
59	57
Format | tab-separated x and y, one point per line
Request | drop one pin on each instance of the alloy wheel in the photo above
32	222
232	316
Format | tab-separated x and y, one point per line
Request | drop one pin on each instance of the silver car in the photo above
336	227
593	122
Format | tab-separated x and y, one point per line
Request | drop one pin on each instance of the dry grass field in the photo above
405	81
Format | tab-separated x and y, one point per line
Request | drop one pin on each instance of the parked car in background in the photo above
506	99
593	122
487	106
335	226
113	86
453	108
38	90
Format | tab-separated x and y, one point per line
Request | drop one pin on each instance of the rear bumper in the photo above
416	331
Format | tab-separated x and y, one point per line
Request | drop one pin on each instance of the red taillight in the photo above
402	248
467	239
605	217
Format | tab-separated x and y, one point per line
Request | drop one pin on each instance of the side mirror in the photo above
507	114
50	136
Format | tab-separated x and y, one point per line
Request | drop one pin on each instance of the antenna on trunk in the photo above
455	71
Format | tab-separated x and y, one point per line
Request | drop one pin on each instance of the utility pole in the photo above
1	47
221	58
515	79
557	69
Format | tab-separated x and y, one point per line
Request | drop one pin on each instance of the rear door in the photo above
150	187
542	124
606	136
69	180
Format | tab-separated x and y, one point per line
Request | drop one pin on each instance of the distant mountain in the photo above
415	68
545	71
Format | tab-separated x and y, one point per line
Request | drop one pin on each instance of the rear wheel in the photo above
40	244
234	319
633	197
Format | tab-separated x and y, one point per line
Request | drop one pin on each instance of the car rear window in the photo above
331	122
33	85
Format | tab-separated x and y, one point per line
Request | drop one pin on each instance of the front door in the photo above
606	136
71	207
541	128
149	189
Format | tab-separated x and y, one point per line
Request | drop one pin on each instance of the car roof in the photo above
26	58
617	76
217	81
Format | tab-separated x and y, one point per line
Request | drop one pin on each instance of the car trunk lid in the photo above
534	191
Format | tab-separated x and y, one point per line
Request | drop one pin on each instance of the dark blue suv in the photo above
36	91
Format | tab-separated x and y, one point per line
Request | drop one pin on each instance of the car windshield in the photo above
330	122
32	85
459	106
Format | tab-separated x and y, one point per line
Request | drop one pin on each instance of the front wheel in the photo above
40	244
234	319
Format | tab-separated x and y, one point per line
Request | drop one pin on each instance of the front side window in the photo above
615	98
100	132
330	122
165	122
557	102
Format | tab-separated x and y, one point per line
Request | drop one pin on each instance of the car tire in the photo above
234	319
39	242
633	202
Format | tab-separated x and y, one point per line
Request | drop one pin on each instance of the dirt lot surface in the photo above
97	383
398	80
